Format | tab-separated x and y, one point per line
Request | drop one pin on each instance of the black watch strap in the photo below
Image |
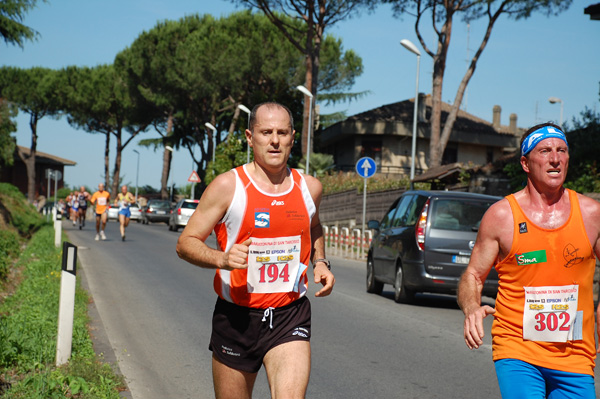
327	262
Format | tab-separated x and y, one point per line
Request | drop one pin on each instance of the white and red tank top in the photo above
279	226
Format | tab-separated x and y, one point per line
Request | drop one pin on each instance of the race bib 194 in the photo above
274	265
551	315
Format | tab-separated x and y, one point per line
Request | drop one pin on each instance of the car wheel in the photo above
373	286
170	227
401	293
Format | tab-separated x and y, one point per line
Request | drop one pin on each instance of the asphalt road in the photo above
155	313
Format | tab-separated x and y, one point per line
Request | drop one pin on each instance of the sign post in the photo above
194	178
366	168
66	308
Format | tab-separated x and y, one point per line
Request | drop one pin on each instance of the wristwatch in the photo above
327	263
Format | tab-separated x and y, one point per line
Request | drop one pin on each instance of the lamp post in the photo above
242	107
214	129
413	49
308	148
137	173
554	100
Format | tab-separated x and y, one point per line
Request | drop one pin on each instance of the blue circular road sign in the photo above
366	167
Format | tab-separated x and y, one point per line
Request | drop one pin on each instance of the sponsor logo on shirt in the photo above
522	228
262	219
530	258
570	255
277	203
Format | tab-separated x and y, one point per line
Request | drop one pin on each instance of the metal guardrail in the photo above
347	243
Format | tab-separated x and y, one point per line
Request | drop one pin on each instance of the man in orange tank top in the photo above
542	241
265	217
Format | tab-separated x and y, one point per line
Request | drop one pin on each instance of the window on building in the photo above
450	154
372	148
490	155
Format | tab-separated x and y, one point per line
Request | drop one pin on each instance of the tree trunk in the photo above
167	156
106	162
117	170
30	160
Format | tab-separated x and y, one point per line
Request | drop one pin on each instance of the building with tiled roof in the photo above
17	173
385	134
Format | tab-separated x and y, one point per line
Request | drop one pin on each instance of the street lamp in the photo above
413	49
214	129
554	100
246	110
137	173
308	148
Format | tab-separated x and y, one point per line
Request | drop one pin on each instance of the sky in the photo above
524	64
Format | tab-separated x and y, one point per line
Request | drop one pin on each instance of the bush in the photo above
28	332
18	212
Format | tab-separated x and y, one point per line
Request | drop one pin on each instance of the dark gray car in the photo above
424	243
156	211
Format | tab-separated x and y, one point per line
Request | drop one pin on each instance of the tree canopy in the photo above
441	14
12	29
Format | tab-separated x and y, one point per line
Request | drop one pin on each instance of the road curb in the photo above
100	341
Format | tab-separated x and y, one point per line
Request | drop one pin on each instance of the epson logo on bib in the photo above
275	202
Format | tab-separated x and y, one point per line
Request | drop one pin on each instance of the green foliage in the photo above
28	330
8	143
12	13
584	147
64	192
319	164
9	249
344	181
18	212
230	154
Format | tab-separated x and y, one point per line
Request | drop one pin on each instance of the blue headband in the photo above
546	132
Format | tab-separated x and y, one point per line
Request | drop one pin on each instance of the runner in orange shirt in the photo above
542	242
101	199
266	219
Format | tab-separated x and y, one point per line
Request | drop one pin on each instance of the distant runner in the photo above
124	200
101	198
74	208
82	197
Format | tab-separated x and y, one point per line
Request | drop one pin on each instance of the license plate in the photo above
160	212
461	259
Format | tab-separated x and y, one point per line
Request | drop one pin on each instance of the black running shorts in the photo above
241	336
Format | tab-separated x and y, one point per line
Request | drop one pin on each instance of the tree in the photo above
7	127
442	18
315	17
99	100
149	64
584	168
33	91
12	13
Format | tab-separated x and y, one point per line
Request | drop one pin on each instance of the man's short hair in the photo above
269	104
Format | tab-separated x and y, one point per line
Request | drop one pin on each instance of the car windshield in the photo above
189	205
458	214
159	205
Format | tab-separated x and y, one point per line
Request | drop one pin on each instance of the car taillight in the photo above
179	211
148	210
421	226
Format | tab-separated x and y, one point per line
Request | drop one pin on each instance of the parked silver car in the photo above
182	213
424	243
113	212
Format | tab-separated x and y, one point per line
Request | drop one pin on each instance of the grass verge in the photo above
28	332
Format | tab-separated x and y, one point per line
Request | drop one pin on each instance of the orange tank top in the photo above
544	308
279	226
